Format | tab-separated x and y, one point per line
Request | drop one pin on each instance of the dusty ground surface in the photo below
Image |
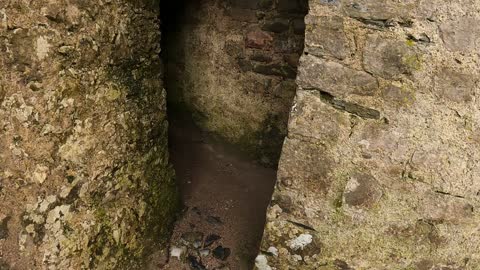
224	194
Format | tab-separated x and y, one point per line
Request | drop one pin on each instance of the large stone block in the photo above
390	58
305	163
362	190
461	34
326	36
380	10
335	78
454	86
314	118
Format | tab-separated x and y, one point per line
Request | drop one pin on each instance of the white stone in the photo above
30	229
42	48
273	250
261	263
297	257
300	242
204	252
40	173
116	236
177	252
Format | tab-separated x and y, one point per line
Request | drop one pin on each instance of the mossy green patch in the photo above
412	61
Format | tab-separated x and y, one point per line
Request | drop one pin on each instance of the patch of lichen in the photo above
412	61
148	183
134	207
409	94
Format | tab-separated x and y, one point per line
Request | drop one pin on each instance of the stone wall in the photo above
380	168
84	175
232	64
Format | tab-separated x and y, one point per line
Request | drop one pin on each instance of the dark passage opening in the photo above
230	67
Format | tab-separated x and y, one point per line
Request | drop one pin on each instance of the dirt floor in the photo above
225	195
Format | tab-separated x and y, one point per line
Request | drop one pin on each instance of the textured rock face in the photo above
84	175
233	63
380	167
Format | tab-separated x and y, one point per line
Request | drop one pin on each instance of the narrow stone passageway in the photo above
225	195
230	70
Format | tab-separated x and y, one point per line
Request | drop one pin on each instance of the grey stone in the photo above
380	10
462	34
353	108
290	44
211	239
285	90
329	2
326	36
390	58
221	253
400	95
362	190
306	163
335	78
204	252
195	264
190	238
451	85
381	153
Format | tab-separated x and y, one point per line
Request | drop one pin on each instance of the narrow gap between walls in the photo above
229	71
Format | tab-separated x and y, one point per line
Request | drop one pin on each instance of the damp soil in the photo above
224	194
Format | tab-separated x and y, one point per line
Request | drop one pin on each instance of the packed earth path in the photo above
225	195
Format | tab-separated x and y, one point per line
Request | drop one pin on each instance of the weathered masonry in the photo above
380	169
84	175
232	65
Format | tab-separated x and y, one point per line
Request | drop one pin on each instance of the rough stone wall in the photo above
380	169
232	64
84	175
